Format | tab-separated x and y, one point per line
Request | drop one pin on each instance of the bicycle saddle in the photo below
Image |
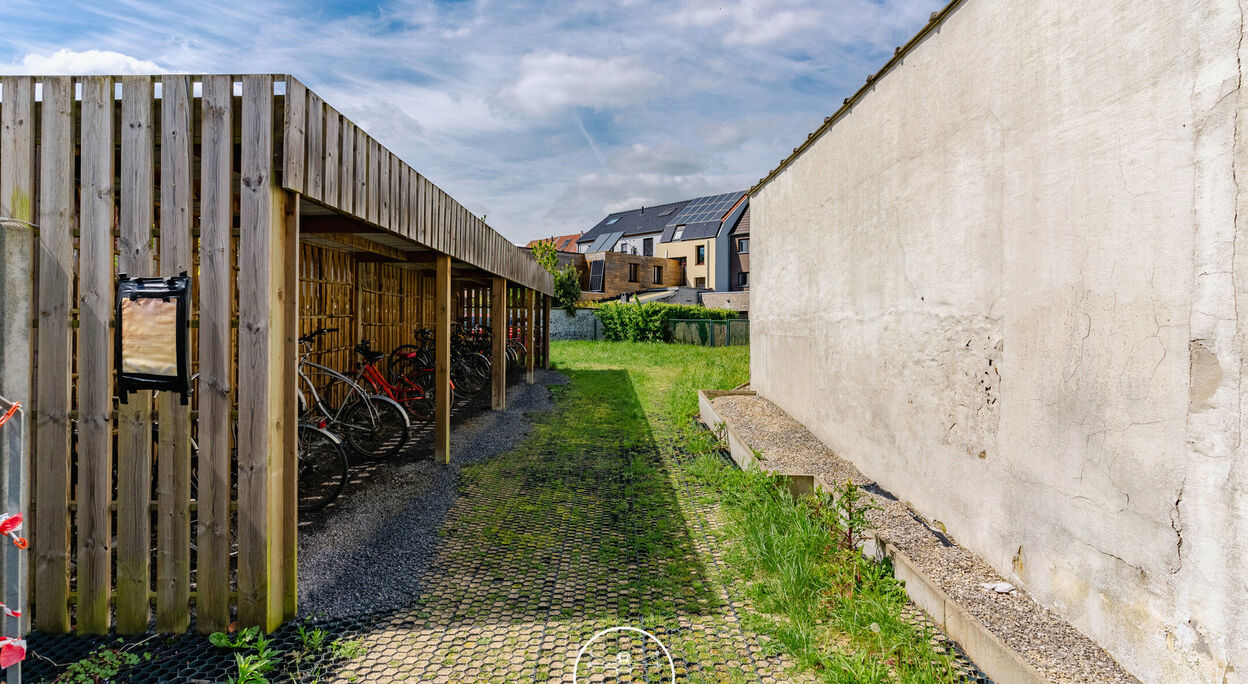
369	355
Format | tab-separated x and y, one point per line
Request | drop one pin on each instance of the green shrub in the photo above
649	322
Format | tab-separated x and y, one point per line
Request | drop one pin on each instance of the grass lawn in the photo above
840	617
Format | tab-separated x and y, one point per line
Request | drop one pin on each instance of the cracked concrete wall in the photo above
1017	304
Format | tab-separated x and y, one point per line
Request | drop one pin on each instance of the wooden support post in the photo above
288	509
498	333
263	363
530	341
442	354
546	331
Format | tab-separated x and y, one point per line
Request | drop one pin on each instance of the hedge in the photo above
648	322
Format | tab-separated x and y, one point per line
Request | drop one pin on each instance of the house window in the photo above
680	230
612	220
658	275
743	279
743	246
632	273
701	258
699	282
634	250
595	275
647	247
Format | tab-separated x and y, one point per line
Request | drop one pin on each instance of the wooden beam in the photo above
442	352
530	317
498	332
333	224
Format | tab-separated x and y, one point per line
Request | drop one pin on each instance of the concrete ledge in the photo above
1000	662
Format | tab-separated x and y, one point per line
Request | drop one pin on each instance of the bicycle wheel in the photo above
322	468
415	383
374	427
399	359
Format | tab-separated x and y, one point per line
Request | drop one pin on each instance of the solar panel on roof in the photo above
704	209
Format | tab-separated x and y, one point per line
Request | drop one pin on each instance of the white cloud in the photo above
85	62
550	82
666	158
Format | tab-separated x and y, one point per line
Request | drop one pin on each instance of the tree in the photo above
567	280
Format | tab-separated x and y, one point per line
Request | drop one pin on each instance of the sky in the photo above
541	116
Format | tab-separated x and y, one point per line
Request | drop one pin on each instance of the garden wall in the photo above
583	326
1017	304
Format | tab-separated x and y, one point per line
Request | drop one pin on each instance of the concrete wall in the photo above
1018	304
583	326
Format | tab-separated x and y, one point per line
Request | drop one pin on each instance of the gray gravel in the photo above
371	550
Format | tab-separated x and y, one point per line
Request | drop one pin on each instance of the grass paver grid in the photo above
590	523
578	530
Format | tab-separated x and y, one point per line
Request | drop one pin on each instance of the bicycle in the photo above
411	388
372	424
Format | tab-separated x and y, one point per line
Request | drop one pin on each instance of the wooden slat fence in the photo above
159	514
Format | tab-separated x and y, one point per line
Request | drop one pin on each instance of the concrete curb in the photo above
1000	662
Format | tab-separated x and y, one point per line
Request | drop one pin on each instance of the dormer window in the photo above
680	230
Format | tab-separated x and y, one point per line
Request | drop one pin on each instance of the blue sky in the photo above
542	116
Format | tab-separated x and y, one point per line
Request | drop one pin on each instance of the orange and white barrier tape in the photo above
12	651
9	525
9	414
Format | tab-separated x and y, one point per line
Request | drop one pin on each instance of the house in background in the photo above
699	235
562	243
636	231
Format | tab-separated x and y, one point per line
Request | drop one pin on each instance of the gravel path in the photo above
1051	644
371	549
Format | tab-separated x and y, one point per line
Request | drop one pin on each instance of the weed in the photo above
312	640
347	649
102	665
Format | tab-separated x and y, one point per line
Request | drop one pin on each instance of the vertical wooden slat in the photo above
333	151
134	429
396	193
374	182
295	149
258	311
442	365
314	168
360	172
346	167
95	379
56	286
382	217
420	231
173	458
498	333
212	610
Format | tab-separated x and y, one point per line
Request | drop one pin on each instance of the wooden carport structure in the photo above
288	217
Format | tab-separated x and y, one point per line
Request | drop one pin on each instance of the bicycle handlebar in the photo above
315	334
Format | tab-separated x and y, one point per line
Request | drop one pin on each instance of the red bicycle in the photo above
411	386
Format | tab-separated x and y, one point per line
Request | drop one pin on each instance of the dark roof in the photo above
702	217
634	222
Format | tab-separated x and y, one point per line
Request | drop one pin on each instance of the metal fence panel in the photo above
710	333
